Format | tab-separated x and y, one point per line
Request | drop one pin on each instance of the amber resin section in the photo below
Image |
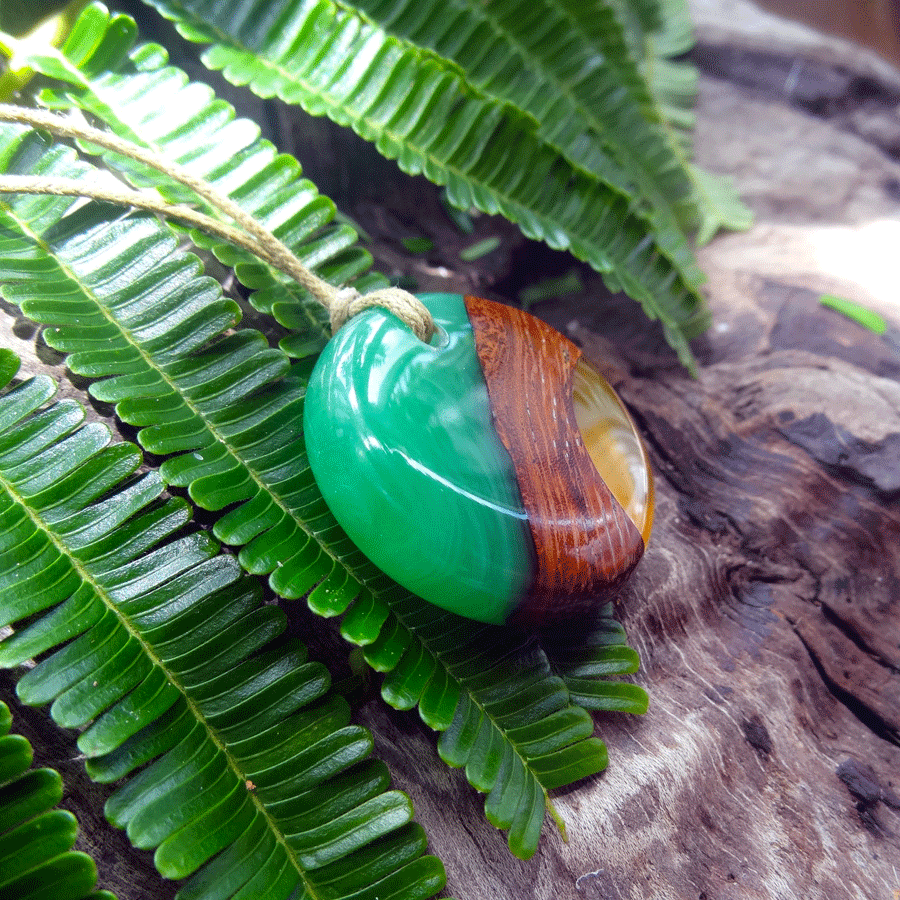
586	543
613	445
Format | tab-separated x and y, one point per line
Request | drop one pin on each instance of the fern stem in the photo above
341	303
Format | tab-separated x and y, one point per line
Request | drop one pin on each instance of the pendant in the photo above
492	472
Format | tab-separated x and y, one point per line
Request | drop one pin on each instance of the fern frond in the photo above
660	48
227	412
435	122
232	409
157	647
504	716
36	839
588	665
159	108
658	39
567	65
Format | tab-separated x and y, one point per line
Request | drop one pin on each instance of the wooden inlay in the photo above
585	543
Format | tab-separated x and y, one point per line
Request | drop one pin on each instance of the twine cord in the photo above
349	302
341	303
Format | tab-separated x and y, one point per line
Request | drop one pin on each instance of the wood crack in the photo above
870	718
852	635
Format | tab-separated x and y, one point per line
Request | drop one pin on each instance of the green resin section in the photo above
401	443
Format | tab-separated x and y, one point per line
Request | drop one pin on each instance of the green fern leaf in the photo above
504	716
36	840
588	665
157	647
9	365
641	15
425	115
235	160
567	65
232	409
658	39
233	412
718	206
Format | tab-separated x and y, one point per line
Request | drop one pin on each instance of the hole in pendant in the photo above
614	445
440	340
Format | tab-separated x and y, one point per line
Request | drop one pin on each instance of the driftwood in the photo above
767	608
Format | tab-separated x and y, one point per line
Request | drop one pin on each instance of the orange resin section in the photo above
613	445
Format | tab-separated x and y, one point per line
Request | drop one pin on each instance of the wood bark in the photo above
767	607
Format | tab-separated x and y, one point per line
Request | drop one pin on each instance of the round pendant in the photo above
492	472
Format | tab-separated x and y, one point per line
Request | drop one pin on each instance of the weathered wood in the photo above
872	23
766	609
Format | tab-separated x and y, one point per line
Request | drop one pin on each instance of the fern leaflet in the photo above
227	413
434	121
158	645
36	840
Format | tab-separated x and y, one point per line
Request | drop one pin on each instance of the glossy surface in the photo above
613	444
400	441
585	544
460	468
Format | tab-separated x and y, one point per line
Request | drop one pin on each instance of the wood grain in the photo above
585	543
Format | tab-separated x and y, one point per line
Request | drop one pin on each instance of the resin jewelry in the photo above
491	471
